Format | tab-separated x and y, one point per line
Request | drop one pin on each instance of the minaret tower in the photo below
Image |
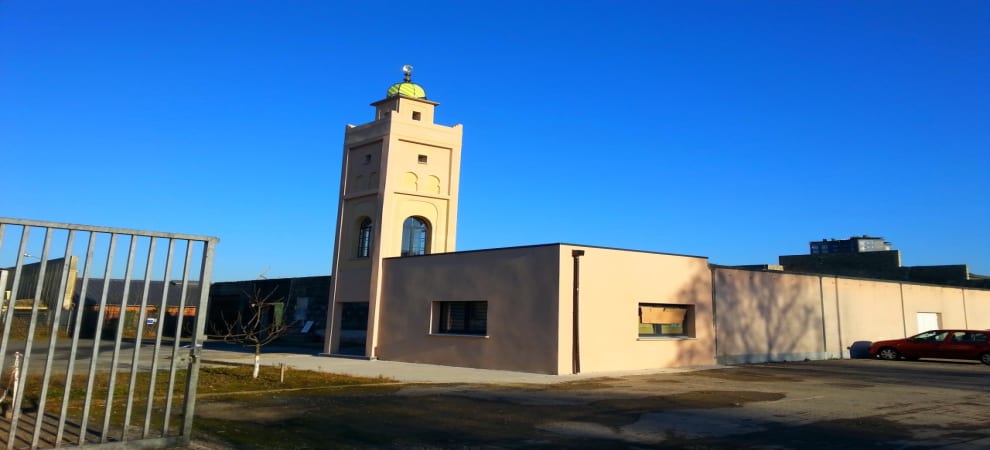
398	197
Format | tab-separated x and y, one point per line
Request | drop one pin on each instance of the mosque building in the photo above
400	290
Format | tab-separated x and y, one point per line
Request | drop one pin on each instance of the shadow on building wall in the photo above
766	316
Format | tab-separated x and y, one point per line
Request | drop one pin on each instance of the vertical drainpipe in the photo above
838	318
965	313
903	312
714	312
821	296
576	354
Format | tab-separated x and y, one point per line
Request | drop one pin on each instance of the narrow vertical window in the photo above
414	237
364	239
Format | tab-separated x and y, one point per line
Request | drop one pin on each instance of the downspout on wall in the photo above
714	313
575	345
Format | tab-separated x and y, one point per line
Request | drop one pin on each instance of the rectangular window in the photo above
460	318
417	115
666	320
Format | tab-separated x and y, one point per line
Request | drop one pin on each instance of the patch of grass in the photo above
213	381
234	379
593	383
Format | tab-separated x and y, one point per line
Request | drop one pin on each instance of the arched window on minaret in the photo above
364	238
415	236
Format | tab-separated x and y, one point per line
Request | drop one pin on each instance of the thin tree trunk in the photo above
257	361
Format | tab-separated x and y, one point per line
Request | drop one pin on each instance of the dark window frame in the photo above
365	231
415	236
462	318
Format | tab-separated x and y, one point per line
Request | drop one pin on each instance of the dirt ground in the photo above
826	404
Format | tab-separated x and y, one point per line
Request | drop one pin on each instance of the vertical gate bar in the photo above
52	341
118	338
8	309
178	337
3	282
158	337
32	329
36	298
74	347
97	337
11	305
206	274
139	339
32	324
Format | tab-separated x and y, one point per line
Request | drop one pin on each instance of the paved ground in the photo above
818	404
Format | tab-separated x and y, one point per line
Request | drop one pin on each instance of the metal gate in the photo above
102	330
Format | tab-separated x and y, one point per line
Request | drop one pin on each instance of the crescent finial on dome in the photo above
406	88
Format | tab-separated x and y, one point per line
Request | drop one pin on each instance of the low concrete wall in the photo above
773	316
769	316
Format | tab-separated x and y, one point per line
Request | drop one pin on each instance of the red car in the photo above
948	344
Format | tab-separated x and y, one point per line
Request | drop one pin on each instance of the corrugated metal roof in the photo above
94	292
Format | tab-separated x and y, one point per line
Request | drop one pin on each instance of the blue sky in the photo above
734	130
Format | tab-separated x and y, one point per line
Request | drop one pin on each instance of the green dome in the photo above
407	89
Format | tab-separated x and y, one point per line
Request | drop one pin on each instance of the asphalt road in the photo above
800	405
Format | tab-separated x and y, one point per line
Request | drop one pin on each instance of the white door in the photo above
928	321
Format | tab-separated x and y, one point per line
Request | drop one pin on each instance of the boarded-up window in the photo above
662	314
665	320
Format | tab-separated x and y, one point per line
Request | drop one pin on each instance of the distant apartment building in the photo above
861	244
873	257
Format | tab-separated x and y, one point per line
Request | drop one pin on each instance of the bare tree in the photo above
262	324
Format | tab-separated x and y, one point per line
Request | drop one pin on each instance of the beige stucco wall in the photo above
977	303
771	316
529	291
759	316
832	333
791	316
869	310
427	190
946	301
520	286
612	285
